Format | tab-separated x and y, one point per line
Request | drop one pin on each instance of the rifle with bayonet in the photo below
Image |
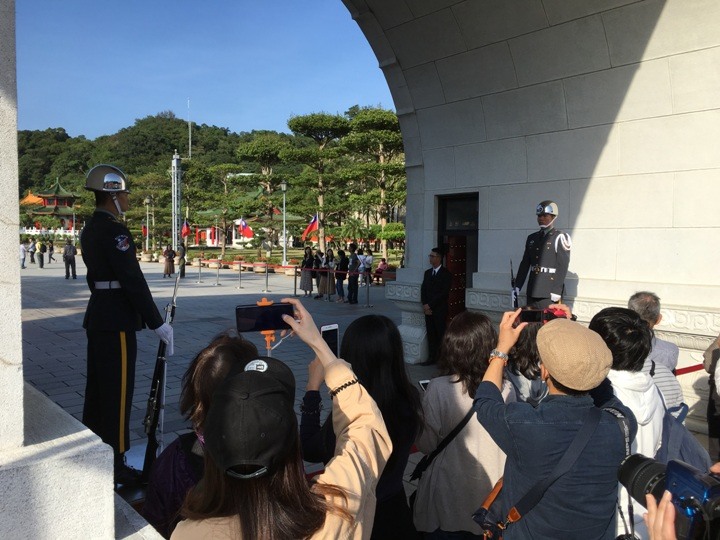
513	290
155	413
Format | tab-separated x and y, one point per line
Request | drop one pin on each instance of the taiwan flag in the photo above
312	226
185	230
245	230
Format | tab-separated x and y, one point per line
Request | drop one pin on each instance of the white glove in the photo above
555	297
165	333
516	291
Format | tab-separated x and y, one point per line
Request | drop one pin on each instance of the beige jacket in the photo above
361	452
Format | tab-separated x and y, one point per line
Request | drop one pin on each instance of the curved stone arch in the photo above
609	108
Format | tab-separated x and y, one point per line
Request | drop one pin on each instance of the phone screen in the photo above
330	334
424	384
254	318
531	315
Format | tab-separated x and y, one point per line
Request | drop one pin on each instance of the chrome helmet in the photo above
106	178
547	207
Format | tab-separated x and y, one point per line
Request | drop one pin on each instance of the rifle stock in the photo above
154	414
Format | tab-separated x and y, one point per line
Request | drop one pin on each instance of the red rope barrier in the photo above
683	371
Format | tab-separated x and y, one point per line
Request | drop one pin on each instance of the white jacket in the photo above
638	392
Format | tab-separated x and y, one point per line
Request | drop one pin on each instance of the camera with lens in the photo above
695	494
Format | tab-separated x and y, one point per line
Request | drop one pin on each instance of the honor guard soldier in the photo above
546	259
120	305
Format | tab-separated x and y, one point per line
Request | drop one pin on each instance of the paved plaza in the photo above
54	341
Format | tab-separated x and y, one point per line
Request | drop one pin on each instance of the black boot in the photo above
124	473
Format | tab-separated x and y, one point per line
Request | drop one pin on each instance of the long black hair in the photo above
373	346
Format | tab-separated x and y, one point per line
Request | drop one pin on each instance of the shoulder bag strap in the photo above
532	497
427	460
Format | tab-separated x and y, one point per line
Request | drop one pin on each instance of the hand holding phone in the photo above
330	334
254	318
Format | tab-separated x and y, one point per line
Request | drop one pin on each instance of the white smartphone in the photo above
424	384
331	335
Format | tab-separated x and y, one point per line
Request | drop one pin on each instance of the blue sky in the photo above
95	66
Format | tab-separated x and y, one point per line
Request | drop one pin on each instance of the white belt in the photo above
108	285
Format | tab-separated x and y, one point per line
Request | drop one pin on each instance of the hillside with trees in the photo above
349	169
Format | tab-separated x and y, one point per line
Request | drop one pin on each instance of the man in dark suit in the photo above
120	305
434	294
546	258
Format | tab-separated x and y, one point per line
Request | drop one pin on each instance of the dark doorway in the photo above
458	234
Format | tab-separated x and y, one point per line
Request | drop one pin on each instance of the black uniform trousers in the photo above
110	385
352	295
70	265
435	326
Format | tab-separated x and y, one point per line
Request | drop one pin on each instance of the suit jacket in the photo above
109	254
546	258
435	291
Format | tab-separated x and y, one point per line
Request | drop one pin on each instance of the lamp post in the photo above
283	188
148	202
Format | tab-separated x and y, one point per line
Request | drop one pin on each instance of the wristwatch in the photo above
499	354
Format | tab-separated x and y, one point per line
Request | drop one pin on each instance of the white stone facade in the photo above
612	109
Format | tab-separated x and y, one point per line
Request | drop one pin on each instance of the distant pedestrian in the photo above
41	249
51	251
306	272
182	252
169	255
69	252
31	250
340	275
353	265
23	254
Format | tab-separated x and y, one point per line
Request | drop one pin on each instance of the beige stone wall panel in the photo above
658	28
513	206
426	39
619	94
594	254
561	11
478	72
491	21
389	14
673	143
491	163
623	202
699	205
696	80
525	111
421	8
668	256
425	86
452	124
439	169
560	51
577	153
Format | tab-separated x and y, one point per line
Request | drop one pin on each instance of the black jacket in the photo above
109	254
435	291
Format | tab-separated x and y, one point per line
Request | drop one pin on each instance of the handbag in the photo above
425	462
492	528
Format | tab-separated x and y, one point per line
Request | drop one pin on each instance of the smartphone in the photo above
531	315
424	384
254	318
330	334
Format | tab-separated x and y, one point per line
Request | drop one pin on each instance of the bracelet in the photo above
305	410
342	387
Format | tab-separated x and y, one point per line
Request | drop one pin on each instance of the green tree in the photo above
375	136
320	160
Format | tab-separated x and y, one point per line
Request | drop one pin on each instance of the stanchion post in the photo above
295	274
367	295
267	273
199	272
239	285
217	277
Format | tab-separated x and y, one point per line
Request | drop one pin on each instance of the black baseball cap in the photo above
251	423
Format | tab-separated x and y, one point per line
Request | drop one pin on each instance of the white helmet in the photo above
547	207
106	178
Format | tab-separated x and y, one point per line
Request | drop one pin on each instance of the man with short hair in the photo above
647	305
629	339
546	259
663	354
353	275
69	252
434	295
581	502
